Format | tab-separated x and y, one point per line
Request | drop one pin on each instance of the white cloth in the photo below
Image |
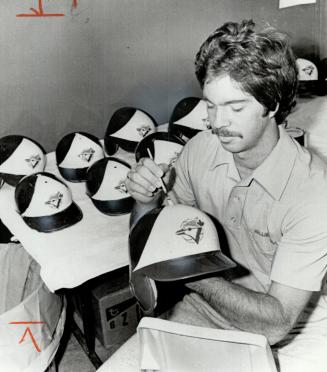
95	245
170	346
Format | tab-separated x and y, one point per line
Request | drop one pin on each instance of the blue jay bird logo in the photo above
173	158
308	70
55	200
191	230
87	154
144	130
33	160
122	187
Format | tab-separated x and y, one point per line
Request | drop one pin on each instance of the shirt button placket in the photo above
235	209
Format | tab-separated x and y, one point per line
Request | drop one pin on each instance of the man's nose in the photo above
220	118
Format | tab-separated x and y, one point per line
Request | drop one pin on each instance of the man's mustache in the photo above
224	132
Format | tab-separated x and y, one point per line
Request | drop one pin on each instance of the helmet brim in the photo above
68	217
189	266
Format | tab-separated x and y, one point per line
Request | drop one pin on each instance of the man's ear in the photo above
272	113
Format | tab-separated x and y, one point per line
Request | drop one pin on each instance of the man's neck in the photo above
246	162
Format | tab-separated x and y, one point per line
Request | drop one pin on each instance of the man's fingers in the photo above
141	197
147	172
152	166
134	187
164	167
144	178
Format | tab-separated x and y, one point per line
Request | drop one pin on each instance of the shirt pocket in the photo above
256	220
263	242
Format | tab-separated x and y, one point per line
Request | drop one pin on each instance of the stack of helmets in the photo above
105	186
308	77
45	203
163	147
189	117
127	126
19	156
172	243
75	153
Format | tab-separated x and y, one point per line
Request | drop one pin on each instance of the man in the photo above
268	192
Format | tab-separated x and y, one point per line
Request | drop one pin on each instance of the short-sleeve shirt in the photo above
275	220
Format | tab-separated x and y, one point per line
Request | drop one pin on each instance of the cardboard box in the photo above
116	311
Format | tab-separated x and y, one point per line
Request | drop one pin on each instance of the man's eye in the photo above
237	108
210	106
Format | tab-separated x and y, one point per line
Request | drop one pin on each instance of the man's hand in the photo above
143	180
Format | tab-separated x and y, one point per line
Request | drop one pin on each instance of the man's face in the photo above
236	117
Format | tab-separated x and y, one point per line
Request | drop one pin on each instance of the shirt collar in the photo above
275	170
224	157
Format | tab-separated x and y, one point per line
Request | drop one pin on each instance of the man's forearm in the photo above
243	308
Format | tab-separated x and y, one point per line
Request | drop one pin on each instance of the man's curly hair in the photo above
261	62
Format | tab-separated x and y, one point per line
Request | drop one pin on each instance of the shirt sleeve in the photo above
301	257
182	186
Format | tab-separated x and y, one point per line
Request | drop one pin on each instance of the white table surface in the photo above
95	245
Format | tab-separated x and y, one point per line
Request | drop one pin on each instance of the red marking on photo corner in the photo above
40	12
29	332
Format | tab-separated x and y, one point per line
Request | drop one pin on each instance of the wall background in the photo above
69	73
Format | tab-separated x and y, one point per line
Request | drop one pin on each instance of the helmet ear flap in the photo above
144	290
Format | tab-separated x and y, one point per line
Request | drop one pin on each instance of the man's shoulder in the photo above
311	168
200	152
203	140
309	179
202	136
